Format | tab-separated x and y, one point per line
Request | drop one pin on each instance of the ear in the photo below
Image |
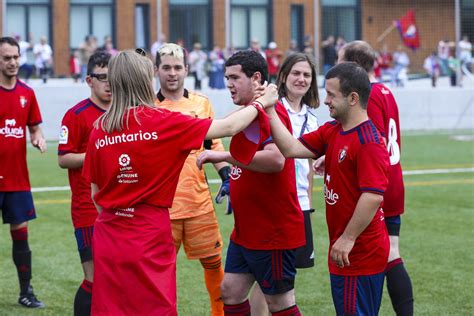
257	77
353	98
89	81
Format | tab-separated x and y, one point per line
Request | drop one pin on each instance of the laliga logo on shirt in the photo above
124	160
63	134
235	172
10	130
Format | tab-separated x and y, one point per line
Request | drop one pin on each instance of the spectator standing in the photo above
43	58
454	67
197	64
109	46
75	65
292	49
256	47
465	52
432	67
385	62
329	53
19	112
86	49
273	61
340	42
157	45
25	66
401	62
443	55
216	72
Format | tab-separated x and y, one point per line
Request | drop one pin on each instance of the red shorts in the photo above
134	262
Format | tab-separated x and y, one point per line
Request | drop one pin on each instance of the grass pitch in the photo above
437	242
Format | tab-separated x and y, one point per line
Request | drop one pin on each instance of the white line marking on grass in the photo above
218	181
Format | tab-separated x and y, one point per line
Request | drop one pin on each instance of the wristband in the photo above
224	173
257	105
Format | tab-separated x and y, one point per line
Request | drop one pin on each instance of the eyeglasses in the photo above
140	51
100	77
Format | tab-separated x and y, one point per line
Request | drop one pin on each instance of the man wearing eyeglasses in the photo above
74	136
193	219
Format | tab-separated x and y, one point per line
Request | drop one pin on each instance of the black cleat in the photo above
29	300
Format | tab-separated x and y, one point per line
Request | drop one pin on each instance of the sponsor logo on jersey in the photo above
63	135
9	130
329	194
235	172
127	175
23	101
342	154
385	91
125	138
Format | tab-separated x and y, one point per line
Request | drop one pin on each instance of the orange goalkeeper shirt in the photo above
193	197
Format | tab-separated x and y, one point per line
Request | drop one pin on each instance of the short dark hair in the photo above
311	98
10	41
352	78
251	63
98	59
361	53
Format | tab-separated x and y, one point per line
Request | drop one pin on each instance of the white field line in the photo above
217	181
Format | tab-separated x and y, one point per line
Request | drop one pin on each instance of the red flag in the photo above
408	31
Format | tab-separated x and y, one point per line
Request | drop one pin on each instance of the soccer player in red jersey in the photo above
75	130
18	110
193	219
355	180
268	227
133	161
383	111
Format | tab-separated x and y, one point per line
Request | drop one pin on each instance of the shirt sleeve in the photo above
315	141
372	168
192	130
34	116
69	136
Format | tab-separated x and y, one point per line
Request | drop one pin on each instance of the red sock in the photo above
242	309
290	311
86	286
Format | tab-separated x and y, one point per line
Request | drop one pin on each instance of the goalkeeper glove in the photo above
224	189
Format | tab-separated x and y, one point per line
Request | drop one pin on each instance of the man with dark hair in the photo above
268	228
382	109
75	130
354	183
193	219
19	109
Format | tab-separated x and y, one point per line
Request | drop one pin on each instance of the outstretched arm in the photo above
239	120
267	160
71	160
288	145
37	138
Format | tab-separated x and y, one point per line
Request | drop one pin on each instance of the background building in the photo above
230	23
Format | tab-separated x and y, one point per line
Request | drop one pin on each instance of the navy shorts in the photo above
393	224
357	295
305	254
274	270
17	207
84	242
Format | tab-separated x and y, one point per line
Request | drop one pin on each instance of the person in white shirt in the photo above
26	68
298	92
43	58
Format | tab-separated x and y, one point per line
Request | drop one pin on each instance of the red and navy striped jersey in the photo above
356	162
76	127
383	111
18	109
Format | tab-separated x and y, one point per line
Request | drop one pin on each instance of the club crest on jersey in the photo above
342	154
23	101
63	135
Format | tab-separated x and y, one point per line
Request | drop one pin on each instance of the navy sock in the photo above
22	257
290	311
399	288
83	299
